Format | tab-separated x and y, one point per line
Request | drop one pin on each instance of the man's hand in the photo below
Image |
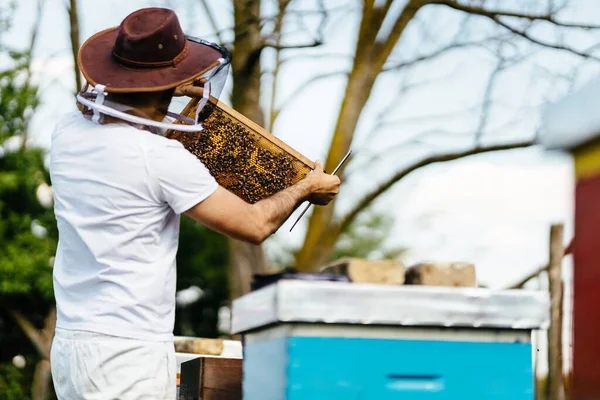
191	89
188	90
323	187
228	214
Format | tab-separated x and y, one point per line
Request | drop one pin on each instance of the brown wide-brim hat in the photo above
148	52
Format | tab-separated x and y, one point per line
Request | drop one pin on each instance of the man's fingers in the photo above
180	91
318	167
189	90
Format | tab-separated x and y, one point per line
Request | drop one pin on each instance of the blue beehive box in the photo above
343	341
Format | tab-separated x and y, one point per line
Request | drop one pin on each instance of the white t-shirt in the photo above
118	193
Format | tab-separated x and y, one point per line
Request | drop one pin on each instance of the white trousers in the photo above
93	366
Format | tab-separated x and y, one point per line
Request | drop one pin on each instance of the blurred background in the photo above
440	101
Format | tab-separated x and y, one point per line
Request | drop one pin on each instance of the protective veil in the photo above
95	101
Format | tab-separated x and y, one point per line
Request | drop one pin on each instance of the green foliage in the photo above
201	261
366	238
11	383
24	256
18	99
27	229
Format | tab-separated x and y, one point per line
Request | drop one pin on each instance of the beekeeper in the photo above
119	189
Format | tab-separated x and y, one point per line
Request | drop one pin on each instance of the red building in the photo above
573	125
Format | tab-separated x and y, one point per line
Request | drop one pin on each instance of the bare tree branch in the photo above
283	4
373	48
378	15
548	17
366	31
320	57
277	33
274	40
212	21
324	16
431	117
421	138
32	42
592	48
432	55
49	326
405	88
501	66
31	332
384	47
311	12
369	159
518	285
387	5
42	377
34	36
276	46
368	6
495	15
370	197
527	278
302	88
527	36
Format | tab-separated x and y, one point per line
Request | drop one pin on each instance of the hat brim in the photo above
98	66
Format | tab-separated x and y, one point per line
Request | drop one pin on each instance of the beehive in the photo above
242	156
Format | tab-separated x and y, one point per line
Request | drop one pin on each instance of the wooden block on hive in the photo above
221	378
200	346
442	274
389	272
211	378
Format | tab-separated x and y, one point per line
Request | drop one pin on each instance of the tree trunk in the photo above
74	33
244	258
42	378
42	340
369	58
318	244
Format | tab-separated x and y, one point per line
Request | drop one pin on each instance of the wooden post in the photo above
555	360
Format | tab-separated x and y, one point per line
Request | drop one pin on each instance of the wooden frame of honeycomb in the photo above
242	156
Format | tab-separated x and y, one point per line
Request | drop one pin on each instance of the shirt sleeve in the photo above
181	178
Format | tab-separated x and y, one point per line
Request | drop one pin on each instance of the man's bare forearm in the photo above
274	210
230	215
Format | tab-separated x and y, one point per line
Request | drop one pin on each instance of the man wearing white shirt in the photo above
119	191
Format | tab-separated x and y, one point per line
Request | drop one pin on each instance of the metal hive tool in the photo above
243	157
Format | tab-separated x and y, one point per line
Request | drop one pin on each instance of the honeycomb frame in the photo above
242	156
